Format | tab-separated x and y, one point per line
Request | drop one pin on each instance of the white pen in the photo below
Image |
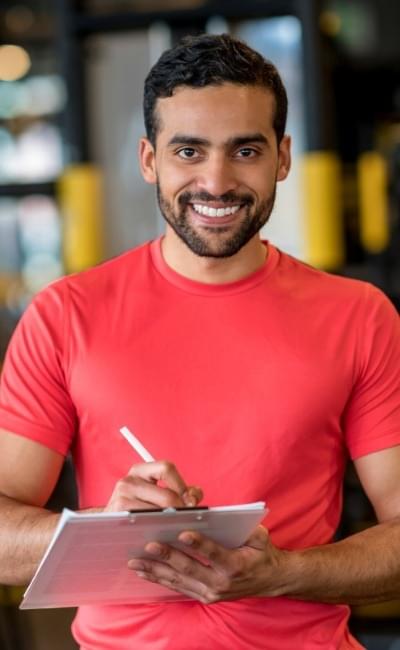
137	445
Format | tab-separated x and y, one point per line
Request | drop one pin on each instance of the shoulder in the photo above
316	284
115	271
107	279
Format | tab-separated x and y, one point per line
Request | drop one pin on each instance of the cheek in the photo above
174	181
263	184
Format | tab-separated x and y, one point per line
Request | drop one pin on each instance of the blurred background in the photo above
71	195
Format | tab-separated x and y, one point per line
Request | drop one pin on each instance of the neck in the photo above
212	270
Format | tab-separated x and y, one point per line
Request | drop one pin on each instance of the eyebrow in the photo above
235	141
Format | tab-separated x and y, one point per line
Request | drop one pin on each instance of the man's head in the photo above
208	60
215	115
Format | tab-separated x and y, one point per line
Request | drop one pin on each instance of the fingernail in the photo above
154	549
136	566
187	540
187	499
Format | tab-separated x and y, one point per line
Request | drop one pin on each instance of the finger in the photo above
161	470
174	586
178	573
179	561
185	591
162	497
259	539
121	504
132	491
215	555
192	496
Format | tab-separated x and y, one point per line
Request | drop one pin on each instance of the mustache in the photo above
229	197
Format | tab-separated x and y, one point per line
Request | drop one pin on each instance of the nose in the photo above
217	176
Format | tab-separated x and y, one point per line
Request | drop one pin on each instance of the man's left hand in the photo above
254	569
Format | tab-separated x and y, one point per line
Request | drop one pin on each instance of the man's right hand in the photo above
139	489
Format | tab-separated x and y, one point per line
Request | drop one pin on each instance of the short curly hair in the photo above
209	60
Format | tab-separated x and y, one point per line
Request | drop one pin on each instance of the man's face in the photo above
216	164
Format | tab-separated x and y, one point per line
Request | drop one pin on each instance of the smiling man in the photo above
254	374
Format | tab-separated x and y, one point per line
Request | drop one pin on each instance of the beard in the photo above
216	240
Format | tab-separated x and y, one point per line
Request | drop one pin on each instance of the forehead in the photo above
216	112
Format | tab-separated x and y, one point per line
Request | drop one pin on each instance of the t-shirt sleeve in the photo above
372	416
34	399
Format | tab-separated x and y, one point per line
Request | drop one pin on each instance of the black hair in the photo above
205	60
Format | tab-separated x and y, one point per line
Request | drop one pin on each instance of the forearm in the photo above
25	532
361	569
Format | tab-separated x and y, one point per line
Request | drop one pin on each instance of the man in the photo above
254	374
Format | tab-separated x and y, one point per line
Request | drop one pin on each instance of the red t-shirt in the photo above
257	390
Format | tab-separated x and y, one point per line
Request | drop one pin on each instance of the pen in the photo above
137	445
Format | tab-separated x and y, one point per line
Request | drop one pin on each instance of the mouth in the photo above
215	214
218	212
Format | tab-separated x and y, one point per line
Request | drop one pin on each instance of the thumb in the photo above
192	495
259	539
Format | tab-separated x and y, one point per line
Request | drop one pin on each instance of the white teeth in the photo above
215	212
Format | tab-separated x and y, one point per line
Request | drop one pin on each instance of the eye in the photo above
187	153
247	152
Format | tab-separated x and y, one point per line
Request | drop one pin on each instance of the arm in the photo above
364	568
34	394
28	474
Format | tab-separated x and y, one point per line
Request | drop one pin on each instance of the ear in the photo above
284	158
147	160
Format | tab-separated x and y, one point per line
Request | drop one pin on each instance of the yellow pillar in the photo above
372	176
324	237
80	196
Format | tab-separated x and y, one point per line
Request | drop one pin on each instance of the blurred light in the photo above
14	62
357	29
289	31
7	156
272	36
330	23
11	98
39	221
40	237
45	95
36	154
40	155
19	19
35	95
39	270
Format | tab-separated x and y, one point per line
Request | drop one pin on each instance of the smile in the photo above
215	212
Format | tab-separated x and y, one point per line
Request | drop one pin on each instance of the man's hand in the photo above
139	489
215	573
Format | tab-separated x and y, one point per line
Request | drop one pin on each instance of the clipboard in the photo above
86	560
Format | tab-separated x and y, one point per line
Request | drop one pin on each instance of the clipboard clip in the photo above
133	513
171	510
